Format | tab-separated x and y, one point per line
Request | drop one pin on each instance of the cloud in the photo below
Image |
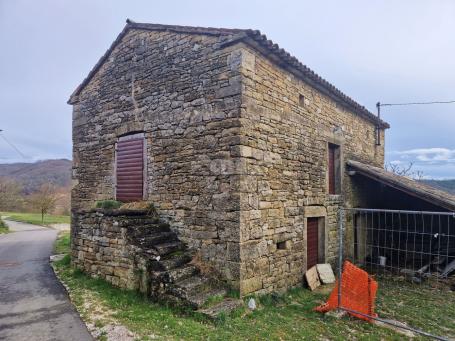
436	163
425	156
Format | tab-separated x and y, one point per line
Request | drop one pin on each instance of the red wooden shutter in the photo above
331	165
312	242
130	169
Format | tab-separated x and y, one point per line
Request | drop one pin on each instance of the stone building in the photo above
239	146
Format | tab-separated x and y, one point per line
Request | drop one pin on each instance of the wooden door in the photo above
130	169
331	165
312	244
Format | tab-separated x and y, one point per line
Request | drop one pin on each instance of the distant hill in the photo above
445	185
33	175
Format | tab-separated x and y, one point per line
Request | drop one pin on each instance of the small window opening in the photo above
281	245
334	165
301	100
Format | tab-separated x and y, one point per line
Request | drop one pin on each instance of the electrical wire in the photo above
416	103
12	145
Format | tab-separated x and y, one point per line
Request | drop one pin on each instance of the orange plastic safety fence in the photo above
358	292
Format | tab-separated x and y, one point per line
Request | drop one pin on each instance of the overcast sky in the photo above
388	51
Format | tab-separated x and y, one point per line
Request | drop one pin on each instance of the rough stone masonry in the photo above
237	135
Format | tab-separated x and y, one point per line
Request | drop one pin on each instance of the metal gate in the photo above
411	251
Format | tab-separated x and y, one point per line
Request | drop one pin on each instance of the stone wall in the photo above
286	128
237	155
100	247
183	91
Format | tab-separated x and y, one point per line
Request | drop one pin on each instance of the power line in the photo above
414	103
379	105
12	145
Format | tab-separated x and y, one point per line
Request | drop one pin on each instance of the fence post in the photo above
340	251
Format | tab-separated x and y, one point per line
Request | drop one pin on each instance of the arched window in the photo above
130	167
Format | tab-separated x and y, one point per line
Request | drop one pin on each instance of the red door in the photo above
312	244
130	169
331	169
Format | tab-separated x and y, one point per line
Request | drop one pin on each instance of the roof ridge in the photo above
193	29
257	40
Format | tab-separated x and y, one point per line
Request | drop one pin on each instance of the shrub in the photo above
3	227
108	204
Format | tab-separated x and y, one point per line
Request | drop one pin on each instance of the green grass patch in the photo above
213	300
62	243
421	307
64	262
3	227
279	317
35	218
108	204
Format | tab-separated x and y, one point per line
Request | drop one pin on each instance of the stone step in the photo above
151	253
142	222
199	299
167	248
157	238
182	273
192	286
149	228
171	261
224	307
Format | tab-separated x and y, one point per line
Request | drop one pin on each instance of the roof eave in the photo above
437	200
294	66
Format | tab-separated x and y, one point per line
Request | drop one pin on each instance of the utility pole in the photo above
378	128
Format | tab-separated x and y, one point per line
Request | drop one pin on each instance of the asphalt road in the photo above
33	303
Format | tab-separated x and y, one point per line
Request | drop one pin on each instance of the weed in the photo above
212	300
99	324
233	293
3	227
62	244
108	204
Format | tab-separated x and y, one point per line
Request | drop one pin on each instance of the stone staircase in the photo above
169	273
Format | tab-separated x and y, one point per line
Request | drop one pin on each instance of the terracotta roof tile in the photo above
256	40
405	184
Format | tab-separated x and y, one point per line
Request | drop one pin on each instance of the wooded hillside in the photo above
445	185
31	176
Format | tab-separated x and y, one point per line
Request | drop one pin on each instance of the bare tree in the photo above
10	195
63	204
44	200
404	170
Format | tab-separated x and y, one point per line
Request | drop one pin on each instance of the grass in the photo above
3	227
431	310
62	243
35	218
279	317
